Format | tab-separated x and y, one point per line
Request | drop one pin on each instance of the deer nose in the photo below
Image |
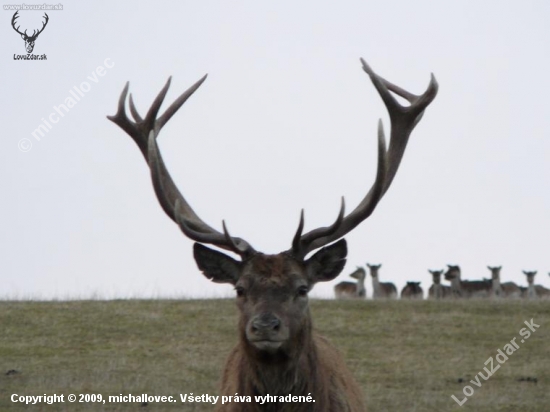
266	322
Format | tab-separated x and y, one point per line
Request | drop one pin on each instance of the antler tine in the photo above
133	110
224	241
298	235
237	245
131	128
403	120
150	122
174	107
298	243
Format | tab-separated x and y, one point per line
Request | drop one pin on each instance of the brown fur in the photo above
315	369
437	290
381	290
503	290
412	290
350	290
467	288
278	353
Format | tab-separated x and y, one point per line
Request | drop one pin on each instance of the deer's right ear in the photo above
215	265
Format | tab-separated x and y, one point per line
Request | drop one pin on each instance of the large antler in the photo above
144	132
403	120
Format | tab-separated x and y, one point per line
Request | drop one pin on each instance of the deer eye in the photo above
302	291
240	291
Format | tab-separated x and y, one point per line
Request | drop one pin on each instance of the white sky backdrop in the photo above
286	120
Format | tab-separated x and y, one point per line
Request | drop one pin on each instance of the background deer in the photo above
504	290
278	353
437	290
381	290
467	288
535	291
412	290
530	293
353	290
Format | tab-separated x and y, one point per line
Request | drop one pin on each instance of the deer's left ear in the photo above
328	262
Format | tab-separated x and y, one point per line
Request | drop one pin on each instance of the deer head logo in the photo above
29	40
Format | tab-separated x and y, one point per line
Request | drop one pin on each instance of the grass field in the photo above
407	356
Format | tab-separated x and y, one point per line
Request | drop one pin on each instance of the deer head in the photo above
495	272
272	290
374	270
29	40
436	276
358	273
530	276
453	272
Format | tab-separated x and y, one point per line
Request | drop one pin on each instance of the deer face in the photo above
452	273
530	276
272	292
374	270
436	276
359	274
495	272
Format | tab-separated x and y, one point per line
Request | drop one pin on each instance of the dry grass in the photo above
408	356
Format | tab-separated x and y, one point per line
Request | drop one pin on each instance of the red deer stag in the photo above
467	288
381	290
503	290
437	290
412	290
278	353
352	290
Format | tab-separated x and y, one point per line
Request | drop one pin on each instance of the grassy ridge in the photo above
408	356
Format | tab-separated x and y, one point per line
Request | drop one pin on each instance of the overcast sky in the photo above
286	120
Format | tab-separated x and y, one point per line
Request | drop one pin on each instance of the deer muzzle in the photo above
266	332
